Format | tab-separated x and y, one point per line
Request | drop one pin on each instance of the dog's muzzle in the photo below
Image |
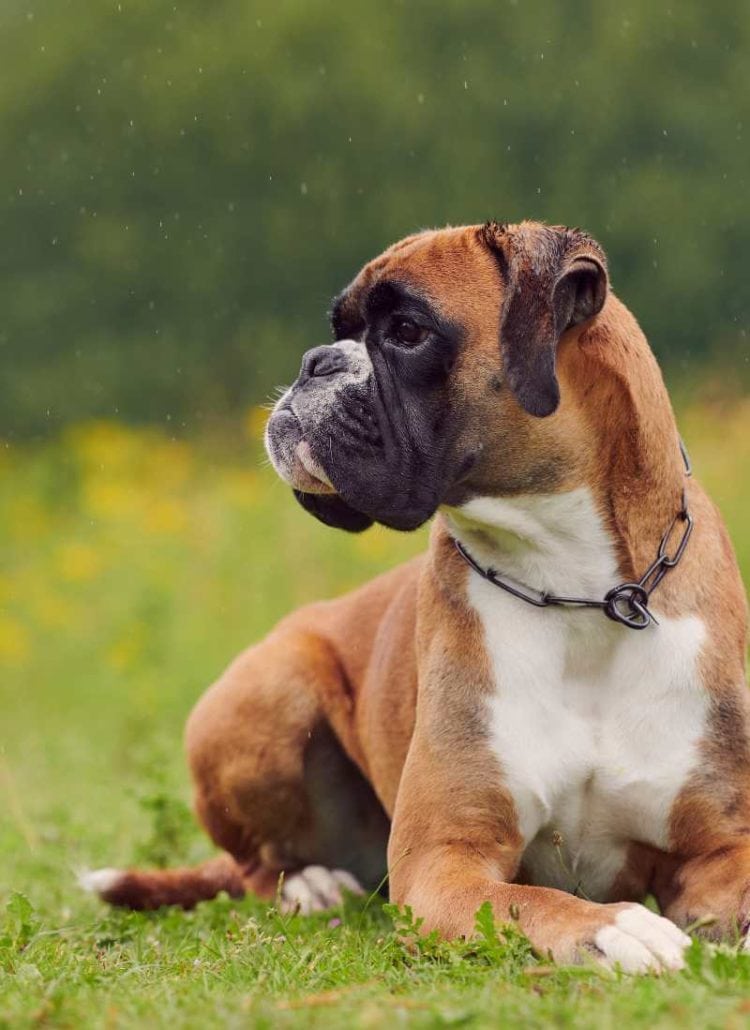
305	417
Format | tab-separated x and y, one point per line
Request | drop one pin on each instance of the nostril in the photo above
322	361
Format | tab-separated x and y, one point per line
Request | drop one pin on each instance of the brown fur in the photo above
367	708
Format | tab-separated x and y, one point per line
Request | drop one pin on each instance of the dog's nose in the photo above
322	361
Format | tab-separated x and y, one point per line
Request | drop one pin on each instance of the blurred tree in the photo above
185	184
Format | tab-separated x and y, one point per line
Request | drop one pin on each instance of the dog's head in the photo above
442	383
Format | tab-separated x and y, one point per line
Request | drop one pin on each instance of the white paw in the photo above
315	888
98	881
640	942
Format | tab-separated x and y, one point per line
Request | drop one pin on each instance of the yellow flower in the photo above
104	445
110	499
14	640
164	515
78	562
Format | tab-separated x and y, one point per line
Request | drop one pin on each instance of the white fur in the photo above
595	726
98	881
639	941
315	889
553	542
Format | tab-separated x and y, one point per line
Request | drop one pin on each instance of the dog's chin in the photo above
319	496
332	510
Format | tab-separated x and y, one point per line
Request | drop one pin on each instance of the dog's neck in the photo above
607	527
557	543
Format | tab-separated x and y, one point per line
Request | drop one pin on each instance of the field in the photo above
133	567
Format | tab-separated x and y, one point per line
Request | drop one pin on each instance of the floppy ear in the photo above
555	278
334	511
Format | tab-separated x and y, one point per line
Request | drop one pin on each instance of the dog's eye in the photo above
408	332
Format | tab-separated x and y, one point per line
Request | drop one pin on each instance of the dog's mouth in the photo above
315	472
292	457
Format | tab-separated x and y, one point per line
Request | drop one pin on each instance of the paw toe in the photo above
315	889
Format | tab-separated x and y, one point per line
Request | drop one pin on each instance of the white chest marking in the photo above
595	725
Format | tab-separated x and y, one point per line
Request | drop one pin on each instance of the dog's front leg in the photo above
455	844
712	893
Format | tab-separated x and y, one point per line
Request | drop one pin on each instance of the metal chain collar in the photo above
626	603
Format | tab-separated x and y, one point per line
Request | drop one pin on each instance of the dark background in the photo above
184	185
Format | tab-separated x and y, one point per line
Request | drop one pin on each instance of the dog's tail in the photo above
150	889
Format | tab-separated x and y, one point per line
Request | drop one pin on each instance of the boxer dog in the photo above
548	710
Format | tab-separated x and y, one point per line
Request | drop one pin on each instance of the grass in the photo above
133	567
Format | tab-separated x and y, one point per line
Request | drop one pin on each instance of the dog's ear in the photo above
555	278
334	511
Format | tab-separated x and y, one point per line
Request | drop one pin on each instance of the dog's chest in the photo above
596	729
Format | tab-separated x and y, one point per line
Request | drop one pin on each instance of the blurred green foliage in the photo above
185	184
